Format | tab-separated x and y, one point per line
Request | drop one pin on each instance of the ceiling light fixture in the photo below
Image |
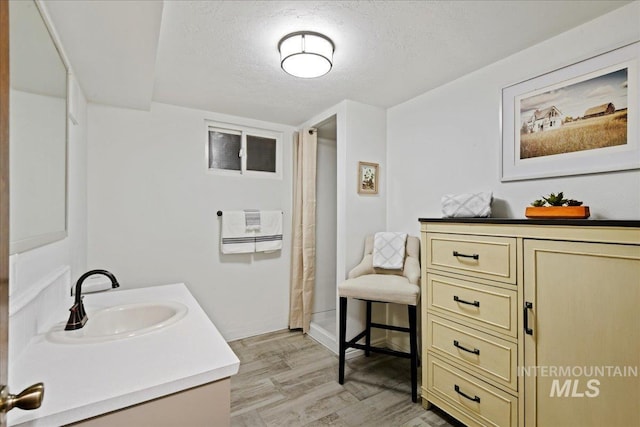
306	54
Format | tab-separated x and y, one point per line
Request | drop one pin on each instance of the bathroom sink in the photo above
121	321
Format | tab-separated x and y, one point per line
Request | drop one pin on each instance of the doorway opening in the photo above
324	317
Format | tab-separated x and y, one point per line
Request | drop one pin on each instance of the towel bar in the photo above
219	213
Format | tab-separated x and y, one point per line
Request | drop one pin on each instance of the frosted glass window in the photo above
261	154
224	150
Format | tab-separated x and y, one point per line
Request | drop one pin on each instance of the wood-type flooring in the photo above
288	379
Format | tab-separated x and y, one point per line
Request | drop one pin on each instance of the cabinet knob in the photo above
29	398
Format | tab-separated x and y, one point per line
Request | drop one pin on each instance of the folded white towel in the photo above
235	239
269	238
388	250
467	205
252	219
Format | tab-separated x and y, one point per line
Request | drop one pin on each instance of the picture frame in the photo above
368	177
579	119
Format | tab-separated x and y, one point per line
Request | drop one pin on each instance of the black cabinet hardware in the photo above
474	351
461	301
525	314
473	399
458	254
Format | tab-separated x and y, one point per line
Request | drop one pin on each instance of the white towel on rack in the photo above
235	239
269	238
252	219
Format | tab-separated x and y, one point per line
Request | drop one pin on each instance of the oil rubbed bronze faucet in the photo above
78	316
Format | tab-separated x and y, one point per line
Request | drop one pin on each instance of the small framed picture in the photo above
367	178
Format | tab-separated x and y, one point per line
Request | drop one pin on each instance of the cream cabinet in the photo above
584	319
532	323
205	405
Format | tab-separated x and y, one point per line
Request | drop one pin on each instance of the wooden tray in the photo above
557	212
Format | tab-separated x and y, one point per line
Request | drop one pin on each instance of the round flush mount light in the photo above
306	54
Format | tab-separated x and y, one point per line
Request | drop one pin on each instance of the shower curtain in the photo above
303	242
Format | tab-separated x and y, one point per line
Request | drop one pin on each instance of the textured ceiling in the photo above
222	55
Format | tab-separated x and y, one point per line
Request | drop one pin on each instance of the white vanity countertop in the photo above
82	381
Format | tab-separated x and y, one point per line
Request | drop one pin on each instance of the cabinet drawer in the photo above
489	405
487	257
489	356
488	307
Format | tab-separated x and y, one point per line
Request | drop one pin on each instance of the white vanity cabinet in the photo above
532	323
177	375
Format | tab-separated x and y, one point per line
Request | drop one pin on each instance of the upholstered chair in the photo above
371	284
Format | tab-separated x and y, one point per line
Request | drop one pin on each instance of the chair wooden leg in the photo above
413	340
368	326
343	338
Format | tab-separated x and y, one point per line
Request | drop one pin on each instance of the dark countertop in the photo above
537	221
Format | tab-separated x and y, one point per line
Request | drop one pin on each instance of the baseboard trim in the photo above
323	337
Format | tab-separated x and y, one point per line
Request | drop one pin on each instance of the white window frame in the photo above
244	131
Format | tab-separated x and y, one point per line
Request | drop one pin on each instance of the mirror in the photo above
37	131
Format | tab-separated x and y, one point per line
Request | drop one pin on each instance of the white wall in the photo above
363	132
152	214
365	129
448	140
152	208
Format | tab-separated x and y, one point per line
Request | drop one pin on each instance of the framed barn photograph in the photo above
368	178
579	119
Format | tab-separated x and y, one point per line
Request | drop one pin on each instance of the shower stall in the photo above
323	320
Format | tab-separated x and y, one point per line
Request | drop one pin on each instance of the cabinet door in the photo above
583	353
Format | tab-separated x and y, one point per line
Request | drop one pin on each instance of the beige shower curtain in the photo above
303	242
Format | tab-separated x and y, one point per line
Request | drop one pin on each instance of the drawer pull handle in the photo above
463	394
475	303
525	314
474	351
458	254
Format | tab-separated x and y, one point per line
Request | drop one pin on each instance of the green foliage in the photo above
556	200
